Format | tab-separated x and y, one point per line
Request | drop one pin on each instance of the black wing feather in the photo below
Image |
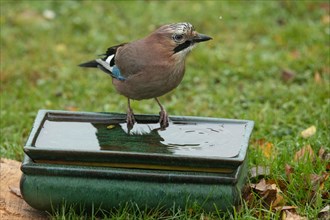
110	51
91	64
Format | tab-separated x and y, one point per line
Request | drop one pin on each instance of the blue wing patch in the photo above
111	70
116	73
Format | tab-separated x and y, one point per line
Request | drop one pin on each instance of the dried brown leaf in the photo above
317	181
324	154
269	193
71	108
315	185
286	207
261	186
269	196
321	153
60	48
288	75
308	132
324	213
279	183
326	19
257	142
325	6
325	195
279	201
317	78
247	195
295	54
304	153
288	171
267	148
287	215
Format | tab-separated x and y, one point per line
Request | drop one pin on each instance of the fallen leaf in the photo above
16	191
317	179
295	54
317	78
326	19
279	199
286	207
71	108
287	215
304	153
315	185
280	183
323	154
308	132
270	194
28	16
288	75
325	196
266	147
324	213
325	6
288	171
247	194
60	48
261	186
111	126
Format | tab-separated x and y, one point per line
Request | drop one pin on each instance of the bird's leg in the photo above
163	116
130	116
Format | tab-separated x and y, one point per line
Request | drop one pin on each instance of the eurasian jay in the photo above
149	67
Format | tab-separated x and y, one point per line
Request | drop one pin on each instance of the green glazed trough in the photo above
93	160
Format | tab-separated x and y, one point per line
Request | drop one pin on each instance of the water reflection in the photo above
189	139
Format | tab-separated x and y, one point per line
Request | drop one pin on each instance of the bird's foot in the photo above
130	119
163	119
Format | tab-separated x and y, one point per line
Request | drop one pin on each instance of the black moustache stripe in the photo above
182	46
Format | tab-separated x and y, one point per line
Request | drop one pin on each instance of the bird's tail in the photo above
91	64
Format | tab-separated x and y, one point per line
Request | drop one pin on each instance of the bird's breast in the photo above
152	80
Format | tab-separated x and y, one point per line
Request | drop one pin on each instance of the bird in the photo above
149	67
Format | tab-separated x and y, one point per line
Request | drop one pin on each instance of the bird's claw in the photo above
163	119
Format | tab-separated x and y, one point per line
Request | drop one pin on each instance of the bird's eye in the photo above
178	37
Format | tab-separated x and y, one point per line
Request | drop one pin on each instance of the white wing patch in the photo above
108	60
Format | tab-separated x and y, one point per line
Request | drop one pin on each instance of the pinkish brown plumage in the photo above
150	67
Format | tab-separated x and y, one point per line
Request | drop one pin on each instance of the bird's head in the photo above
181	37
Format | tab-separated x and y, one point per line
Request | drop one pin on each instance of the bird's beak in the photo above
201	37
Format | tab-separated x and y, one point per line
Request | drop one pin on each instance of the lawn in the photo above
268	62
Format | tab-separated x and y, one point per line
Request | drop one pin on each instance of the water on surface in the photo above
200	139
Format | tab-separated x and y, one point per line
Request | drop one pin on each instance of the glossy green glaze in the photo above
99	163
46	186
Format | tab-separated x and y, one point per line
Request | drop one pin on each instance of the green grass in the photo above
236	75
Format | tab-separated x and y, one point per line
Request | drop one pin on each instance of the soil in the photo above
12	205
